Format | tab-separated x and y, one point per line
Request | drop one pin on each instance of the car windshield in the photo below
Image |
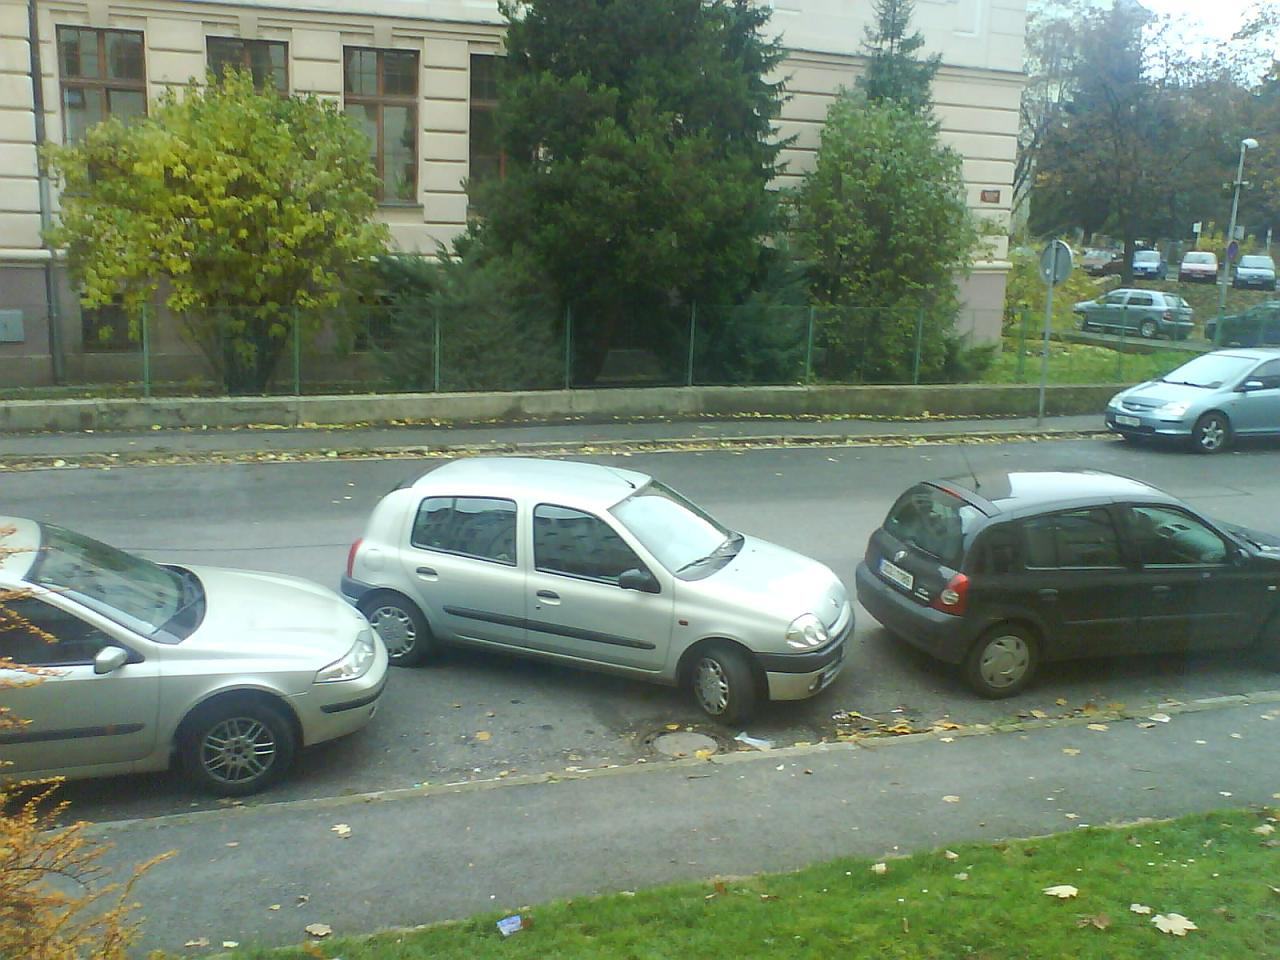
133	592
1146	256
1210	371
934	521
1198	258
671	528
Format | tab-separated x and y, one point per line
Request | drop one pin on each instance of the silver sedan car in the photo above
229	671
1209	401
597	567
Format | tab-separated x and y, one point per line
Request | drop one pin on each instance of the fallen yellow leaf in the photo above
1174	923
1063	891
483	735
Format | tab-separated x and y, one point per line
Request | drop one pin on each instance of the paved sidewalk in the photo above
436	853
94	447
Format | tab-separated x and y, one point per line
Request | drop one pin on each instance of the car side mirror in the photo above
637	579
1249	385
110	659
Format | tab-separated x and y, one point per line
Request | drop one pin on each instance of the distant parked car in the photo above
1209	400
999	573
1150	313
1199	265
1258	326
1149	263
1256	271
227	671
1096	262
598	567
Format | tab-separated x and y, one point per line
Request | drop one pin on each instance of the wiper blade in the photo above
727	548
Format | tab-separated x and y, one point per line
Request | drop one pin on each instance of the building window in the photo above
266	60
105	329
381	95
103	74
487	159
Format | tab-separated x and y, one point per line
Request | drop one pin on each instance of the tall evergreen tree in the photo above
894	73
640	148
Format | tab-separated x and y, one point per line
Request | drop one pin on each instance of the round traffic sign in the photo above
1233	251
1055	263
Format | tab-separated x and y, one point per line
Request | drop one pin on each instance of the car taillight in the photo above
954	597
351	556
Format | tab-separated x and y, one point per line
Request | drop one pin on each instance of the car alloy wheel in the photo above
1211	434
1147	329
237	750
723	684
237	746
401	627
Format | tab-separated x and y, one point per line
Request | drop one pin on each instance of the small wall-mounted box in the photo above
11	326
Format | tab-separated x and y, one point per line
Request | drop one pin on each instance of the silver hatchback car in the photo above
229	671
1209	400
597	567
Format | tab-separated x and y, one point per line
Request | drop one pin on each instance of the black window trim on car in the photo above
586	578
454	498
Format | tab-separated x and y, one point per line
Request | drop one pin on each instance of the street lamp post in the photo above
1248	143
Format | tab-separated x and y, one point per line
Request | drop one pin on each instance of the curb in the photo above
532	448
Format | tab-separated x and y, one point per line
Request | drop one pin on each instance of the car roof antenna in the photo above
969	466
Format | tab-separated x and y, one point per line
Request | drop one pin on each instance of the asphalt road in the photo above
300	519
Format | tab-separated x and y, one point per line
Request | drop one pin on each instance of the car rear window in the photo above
933	521
1265	262
1199	258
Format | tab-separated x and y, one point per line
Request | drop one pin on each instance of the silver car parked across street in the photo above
597	567
1209	400
229	671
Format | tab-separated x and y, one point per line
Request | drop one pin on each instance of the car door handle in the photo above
549	595
428	573
1047	594
1162	590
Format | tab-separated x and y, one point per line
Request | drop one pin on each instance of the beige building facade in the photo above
417	74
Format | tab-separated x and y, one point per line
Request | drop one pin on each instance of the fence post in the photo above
568	347
436	340
146	352
915	366
693	327
1022	344
808	349
297	353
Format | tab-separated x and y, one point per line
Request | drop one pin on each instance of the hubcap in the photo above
237	750
711	686
396	629
1004	661
1212	435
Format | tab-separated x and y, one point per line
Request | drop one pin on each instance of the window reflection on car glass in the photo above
578	544
480	527
76	641
1168	537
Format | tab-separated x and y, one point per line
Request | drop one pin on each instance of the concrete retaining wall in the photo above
593	405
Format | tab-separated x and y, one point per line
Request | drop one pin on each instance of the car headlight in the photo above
1175	408
355	663
806	632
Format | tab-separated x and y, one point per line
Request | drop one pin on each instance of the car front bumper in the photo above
1148	423
332	710
1261	282
941	635
798	676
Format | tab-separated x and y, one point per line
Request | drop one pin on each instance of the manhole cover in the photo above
683	743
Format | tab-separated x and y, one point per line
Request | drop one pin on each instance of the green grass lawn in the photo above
1080	363
978	900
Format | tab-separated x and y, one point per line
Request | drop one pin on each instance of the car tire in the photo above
1211	434
402	627
1003	661
237	746
1147	329
723	684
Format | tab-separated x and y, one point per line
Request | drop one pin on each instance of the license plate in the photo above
1128	421
891	571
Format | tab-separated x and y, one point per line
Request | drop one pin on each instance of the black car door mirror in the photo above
636	579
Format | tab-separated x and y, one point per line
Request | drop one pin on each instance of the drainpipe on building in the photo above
46	199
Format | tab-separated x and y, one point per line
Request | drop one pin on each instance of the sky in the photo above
1209	18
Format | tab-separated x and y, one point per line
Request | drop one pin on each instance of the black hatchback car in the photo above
1001	573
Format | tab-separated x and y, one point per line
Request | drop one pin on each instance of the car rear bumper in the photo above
353	591
941	635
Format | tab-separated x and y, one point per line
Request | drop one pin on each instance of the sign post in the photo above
1055	266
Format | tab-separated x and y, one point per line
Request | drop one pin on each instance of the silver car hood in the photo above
775	581
268	614
1153	393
